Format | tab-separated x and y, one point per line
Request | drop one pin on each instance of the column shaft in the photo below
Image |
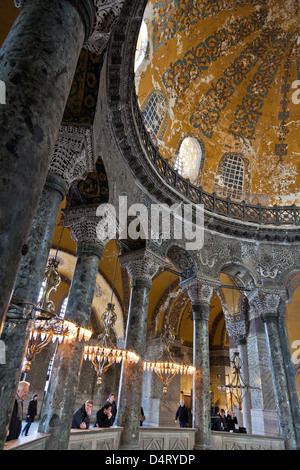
201	404
27	288
131	383
38	61
283	404
59	403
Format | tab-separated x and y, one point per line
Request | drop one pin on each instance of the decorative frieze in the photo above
73	157
107	13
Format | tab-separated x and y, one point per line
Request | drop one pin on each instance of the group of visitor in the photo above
220	422
105	417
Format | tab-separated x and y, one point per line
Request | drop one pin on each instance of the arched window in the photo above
155	113
230	181
141	47
189	159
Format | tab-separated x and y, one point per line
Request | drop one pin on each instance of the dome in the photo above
227	75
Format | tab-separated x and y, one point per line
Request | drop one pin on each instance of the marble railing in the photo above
232	441
95	439
35	441
151	439
167	438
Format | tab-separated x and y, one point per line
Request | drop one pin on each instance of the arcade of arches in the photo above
186	102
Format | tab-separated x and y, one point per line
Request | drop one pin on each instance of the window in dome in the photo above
231	177
141	47
189	158
155	113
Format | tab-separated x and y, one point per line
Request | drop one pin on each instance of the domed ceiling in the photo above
227	74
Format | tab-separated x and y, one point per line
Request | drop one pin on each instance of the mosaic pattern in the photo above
249	111
270	47
92	190
283	116
81	105
172	16
180	74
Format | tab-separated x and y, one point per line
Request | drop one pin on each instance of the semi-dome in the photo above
218	88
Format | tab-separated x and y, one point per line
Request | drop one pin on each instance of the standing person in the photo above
103	417
223	420
216	423
31	414
231	420
183	415
82	417
112	400
15	426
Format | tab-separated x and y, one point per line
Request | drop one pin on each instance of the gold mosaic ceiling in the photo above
229	72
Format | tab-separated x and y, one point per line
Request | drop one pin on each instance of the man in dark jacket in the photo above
81	417
183	414
31	414
112	401
103	417
15	426
216	421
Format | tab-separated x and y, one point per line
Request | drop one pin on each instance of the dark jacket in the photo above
113	411
31	411
102	419
231	422
216	423
79	417
15	426
183	414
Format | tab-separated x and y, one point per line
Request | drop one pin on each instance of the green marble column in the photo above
200	293
59	403
141	269
37	63
280	382
27	288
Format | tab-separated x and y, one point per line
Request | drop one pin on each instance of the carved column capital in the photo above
83	222
268	302
107	13
141	265
73	157
200	291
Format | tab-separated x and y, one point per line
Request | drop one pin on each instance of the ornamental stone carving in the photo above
73	157
141	264
83	223
107	13
267	301
200	291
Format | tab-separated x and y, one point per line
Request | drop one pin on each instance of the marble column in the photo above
246	396
200	293
270	300
71	160
59	404
38	61
290	376
141	267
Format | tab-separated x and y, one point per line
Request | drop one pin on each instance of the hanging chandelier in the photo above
105	353
47	326
236	387
165	367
